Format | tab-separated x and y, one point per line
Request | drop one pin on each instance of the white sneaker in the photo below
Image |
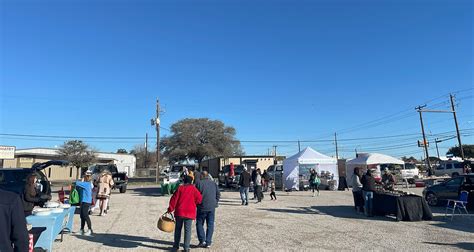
88	233
81	232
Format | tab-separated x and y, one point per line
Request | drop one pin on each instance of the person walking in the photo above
244	183
357	190
368	189
85	187
184	203
265	181
314	181
13	232
206	211
105	186
254	178
272	189
31	196
258	186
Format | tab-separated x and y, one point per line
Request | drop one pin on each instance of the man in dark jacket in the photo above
254	179
13	233
244	183
206	211
368	189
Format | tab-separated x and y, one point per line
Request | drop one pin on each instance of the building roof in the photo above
51	152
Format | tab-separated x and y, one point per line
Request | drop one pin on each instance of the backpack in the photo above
316	180
74	197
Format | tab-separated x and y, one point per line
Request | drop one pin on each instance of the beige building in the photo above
214	165
25	158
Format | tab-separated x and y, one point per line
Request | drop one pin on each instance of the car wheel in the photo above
432	199
123	189
455	174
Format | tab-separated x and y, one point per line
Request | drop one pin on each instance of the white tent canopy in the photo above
374	158
369	160
304	160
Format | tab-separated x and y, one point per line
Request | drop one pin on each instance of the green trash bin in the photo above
165	189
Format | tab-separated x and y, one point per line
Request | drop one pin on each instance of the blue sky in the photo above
275	70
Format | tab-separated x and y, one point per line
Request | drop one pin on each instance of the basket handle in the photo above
169	214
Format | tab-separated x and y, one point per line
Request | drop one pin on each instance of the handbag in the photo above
74	197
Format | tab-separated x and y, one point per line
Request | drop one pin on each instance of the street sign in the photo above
420	143
7	152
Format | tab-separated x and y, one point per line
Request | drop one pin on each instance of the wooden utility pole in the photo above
457	126
425	143
146	150
156	122
335	141
436	143
299	146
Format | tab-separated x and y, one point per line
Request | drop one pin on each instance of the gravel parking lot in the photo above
295	222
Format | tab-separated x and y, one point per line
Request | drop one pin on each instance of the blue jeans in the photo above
209	218
368	205
244	194
187	232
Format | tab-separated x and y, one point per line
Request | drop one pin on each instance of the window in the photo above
449	166
455	182
458	165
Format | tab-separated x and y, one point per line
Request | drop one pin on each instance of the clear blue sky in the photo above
275	70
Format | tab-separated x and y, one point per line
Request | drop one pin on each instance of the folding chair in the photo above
459	204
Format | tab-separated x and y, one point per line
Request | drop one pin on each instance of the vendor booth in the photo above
296	169
370	161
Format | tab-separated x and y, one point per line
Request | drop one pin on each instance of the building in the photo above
214	165
25	158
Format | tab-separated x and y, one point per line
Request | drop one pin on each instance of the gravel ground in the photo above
295	222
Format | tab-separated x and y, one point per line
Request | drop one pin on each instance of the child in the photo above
272	189
85	187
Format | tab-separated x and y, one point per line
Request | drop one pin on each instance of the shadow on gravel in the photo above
459	222
147	191
459	245
126	241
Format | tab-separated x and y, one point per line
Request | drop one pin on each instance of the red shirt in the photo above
184	201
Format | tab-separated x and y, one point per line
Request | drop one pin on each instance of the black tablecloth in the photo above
406	207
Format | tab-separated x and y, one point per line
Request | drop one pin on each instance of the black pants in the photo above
259	193
273	195
315	187
85	215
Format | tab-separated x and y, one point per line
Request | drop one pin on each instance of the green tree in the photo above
467	148
78	153
196	139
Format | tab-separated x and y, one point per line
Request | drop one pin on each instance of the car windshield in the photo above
410	166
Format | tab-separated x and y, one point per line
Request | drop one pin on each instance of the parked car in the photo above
449	167
449	189
227	180
14	179
410	173
276	172
120	178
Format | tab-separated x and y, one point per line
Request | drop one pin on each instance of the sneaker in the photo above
88	233
81	232
243	203
202	245
246	203
208	245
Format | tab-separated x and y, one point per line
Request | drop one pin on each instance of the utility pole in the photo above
457	127
299	146
335	141
436	143
425	143
156	122
146	150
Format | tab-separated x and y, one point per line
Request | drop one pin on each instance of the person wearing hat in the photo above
388	180
184	204
244	183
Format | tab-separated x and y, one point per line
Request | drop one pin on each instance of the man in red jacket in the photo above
183	203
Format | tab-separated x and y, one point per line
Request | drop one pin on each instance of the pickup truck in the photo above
120	178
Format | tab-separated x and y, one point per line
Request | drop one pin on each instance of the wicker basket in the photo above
166	223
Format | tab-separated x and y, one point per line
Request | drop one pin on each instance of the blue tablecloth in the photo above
54	224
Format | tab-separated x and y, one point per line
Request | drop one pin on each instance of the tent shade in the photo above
300	163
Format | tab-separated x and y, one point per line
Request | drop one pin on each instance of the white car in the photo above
410	172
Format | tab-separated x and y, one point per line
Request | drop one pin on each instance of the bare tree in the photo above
78	153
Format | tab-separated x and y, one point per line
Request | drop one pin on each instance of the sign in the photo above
7	152
420	143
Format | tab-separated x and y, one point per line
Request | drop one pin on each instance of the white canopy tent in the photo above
369	160
302	162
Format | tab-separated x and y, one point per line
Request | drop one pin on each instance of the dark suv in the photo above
227	180
448	189
14	179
